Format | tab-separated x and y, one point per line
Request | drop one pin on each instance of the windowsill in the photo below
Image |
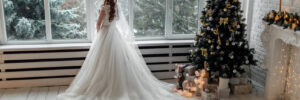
85	45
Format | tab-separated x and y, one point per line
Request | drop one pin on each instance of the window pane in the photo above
185	13
149	18
124	7
24	19
68	19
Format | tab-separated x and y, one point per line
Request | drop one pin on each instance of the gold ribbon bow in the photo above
223	21
204	52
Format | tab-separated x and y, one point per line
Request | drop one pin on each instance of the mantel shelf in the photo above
274	32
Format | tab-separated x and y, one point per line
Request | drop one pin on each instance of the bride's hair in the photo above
112	12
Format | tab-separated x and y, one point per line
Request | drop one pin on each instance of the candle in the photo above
280	6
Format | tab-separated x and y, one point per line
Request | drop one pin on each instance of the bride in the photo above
114	68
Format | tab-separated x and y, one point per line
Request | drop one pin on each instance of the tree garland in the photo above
283	19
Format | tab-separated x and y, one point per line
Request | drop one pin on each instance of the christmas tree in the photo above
25	19
221	47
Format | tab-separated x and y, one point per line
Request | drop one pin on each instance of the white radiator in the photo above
50	66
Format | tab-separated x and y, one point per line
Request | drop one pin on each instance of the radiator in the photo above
52	66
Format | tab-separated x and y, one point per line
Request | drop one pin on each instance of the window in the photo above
68	19
62	21
149	18
185	14
44	20
24	19
160	19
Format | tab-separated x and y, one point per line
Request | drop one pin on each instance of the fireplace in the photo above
282	61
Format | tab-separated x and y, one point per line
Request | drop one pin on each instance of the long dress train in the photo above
115	70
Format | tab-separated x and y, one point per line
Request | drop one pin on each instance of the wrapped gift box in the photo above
234	81
211	87
241	89
209	95
209	92
223	93
243	80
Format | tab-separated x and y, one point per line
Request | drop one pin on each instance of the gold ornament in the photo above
223	21
205	24
228	5
209	41
227	43
212	46
212	53
291	20
202	34
271	15
294	26
286	16
234	24
225	9
216	31
231	30
277	17
219	40
295	20
208	13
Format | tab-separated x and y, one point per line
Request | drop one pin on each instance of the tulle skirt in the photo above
115	70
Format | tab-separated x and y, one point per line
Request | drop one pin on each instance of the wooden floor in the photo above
50	93
37	93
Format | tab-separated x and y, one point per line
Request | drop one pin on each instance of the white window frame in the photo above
91	22
49	39
2	25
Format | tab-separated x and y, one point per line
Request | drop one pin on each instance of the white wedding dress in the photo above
115	70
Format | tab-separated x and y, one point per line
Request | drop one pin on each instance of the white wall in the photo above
260	9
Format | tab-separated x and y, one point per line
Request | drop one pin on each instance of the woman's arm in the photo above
100	18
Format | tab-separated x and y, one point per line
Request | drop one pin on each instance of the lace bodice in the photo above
106	17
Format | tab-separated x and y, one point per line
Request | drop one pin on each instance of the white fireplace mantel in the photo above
278	43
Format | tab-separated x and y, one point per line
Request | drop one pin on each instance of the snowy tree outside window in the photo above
149	18
68	19
185	13
24	19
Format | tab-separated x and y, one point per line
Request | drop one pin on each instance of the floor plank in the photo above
52	93
62	89
33	93
42	93
8	94
21	93
2	92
